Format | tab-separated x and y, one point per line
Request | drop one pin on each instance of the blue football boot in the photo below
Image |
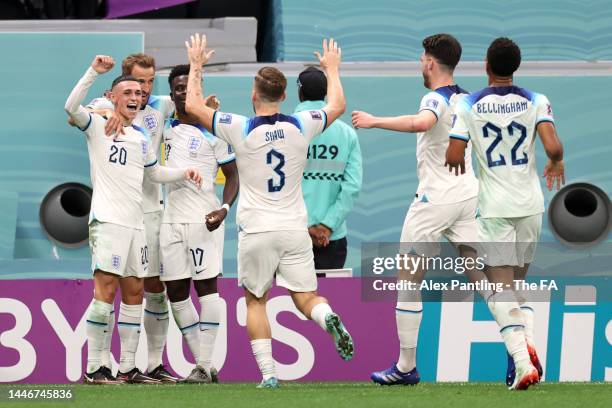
393	376
510	371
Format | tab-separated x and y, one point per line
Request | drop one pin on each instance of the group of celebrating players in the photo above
154	251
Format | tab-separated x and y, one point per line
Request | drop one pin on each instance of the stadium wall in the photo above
392	30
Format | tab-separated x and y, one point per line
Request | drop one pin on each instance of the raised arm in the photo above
554	171
195	104
330	62
421	122
100	65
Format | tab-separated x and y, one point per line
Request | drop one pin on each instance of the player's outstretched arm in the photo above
554	171
80	116
421	122
195	104
455	156
162	174
230	192
330	62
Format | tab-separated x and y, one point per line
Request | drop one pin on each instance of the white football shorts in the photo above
509	241
426	224
117	249
189	251
285	254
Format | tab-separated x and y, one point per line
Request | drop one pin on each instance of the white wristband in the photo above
226	206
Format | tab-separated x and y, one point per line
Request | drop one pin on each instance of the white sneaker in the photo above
526	375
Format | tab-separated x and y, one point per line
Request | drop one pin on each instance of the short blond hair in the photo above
270	84
140	59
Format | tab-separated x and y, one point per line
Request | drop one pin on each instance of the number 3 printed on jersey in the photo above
272	186
491	130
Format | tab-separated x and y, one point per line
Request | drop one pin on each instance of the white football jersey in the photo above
150	117
501	124
190	146
436	184
117	171
270	155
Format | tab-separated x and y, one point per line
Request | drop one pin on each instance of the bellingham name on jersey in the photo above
501	123
501	108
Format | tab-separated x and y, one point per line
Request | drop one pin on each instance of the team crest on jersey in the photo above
116	261
150	122
315	114
225	118
431	103
194	145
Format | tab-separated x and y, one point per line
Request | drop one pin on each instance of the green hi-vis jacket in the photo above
332	177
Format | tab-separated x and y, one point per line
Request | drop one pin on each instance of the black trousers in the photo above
332	256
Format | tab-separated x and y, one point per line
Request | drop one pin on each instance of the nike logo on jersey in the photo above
201	270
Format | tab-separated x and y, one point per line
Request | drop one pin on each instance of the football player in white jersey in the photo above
154	110
116	233
444	205
273	233
501	122
191	239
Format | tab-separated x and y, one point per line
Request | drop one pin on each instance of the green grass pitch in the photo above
330	394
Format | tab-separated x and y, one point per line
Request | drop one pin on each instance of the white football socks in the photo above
408	317
210	315
319	312
156	327
128	325
187	320
262	350
528	316
98	315
505	308
106	359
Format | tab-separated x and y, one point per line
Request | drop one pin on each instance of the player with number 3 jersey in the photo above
271	150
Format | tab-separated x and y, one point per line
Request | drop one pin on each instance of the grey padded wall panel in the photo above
233	38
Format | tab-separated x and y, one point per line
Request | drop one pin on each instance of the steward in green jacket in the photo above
332	177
